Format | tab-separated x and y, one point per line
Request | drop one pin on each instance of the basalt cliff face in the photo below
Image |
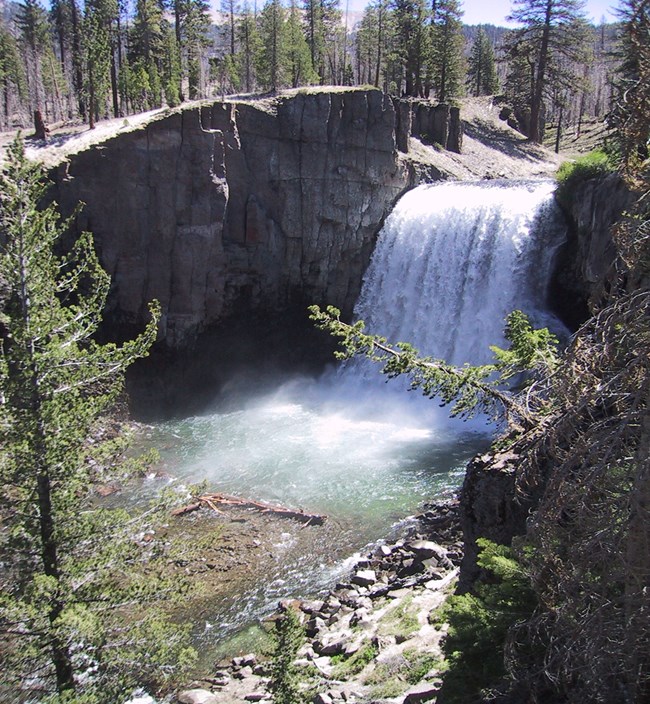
238	207
590	251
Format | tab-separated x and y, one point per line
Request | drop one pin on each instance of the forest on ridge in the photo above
85	61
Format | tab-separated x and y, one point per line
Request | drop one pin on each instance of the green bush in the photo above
289	636
571	174
479	623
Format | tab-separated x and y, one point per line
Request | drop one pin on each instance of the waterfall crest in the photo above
453	259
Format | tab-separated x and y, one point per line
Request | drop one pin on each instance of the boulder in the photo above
364	578
422	692
426	549
333	645
322	698
244	660
197	696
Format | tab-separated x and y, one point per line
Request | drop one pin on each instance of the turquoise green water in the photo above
367	458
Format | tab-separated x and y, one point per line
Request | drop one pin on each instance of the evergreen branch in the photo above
467	388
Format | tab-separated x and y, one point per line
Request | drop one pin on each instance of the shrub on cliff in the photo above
479	623
288	635
595	164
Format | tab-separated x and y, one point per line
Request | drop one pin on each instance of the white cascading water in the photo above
451	262
454	259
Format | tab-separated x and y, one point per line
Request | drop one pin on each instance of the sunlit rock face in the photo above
234	207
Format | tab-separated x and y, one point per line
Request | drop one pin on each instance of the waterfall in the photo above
450	263
453	259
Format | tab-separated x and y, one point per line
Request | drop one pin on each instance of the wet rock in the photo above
365	578
197	696
311	607
426	549
228	213
244	660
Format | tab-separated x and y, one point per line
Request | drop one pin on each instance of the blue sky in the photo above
495	11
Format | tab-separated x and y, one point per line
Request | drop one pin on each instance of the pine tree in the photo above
72	621
32	22
289	636
631	111
272	61
146	51
325	37
12	77
372	45
447	45
299	63
98	17
481	74
551	30
250	47
195	37
414	43
231	8
315	33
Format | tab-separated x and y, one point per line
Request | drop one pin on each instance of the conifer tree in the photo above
195	36
414	43
481	74
12	78
32	22
550	31
98	16
631	111
231	8
72	622
250	47
299	63
315	33
372	45
272	61
447	45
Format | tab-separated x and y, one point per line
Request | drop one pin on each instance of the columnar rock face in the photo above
590	252
437	124
232	207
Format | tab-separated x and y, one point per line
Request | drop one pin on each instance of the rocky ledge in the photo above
375	636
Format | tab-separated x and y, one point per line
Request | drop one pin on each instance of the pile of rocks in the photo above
411	572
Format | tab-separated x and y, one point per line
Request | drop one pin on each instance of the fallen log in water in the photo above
214	500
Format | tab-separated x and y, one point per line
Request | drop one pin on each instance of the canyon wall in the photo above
585	261
238	207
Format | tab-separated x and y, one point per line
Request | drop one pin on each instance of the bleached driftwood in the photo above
217	499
